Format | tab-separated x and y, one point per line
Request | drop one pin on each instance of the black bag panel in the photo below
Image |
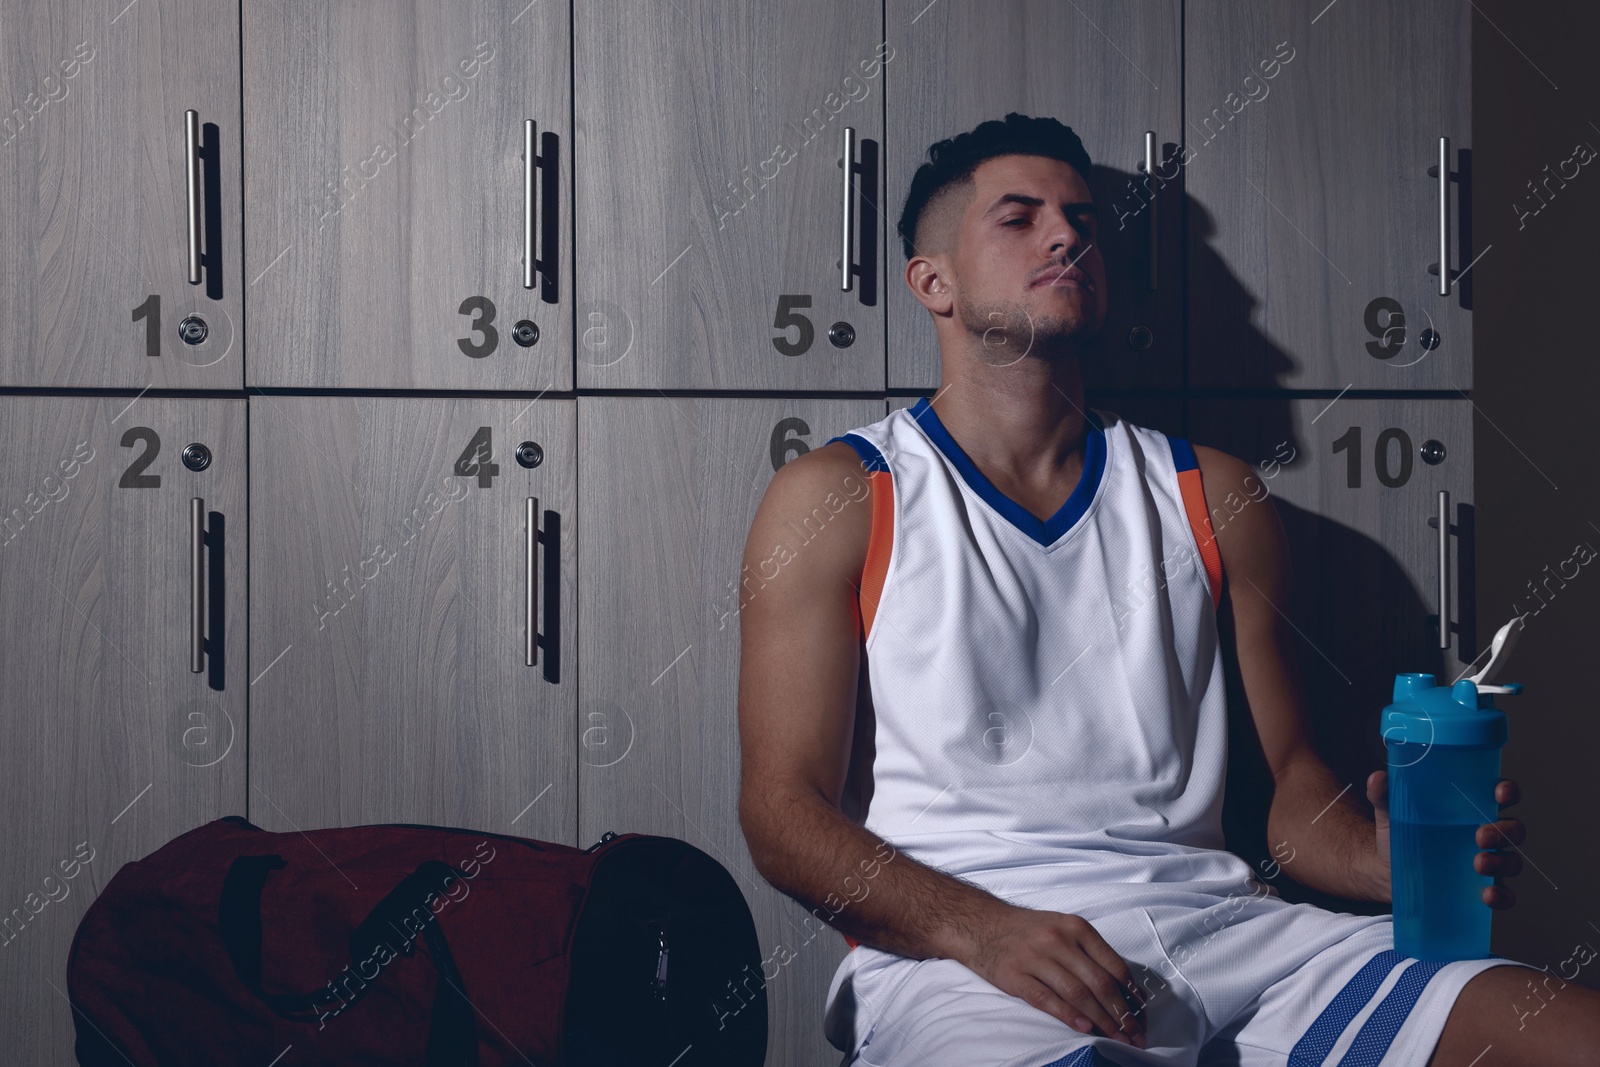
665	959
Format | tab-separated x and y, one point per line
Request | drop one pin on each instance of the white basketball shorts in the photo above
1247	982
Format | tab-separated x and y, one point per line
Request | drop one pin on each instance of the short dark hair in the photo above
954	159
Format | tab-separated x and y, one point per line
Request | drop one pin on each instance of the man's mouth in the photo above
1070	276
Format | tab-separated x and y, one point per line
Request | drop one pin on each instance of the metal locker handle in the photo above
529	162
1444	216
846	254
544	234
191	122
531	529
1150	179
1444	568
197	599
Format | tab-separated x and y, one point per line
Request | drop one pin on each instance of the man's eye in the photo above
1016	219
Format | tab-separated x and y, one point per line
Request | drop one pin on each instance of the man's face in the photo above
1026	272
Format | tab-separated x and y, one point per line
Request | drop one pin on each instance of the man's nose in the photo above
1066	240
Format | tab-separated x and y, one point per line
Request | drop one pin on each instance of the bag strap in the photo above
452	1032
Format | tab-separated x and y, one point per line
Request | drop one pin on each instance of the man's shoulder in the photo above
1247	527
824	495
836	464
1223	470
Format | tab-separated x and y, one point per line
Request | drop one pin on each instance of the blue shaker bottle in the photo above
1443	745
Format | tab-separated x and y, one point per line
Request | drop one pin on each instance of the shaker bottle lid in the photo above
1499	651
1460	714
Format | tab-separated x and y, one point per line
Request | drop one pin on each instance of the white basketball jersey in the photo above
1048	721
1047	696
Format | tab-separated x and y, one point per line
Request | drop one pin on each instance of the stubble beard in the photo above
1008	333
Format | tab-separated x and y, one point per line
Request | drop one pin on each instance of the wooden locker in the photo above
1314	220
389	638
391	205
118	737
675	482
714	210
109	280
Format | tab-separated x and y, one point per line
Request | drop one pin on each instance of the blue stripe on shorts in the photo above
1376	1034
1087	1056
1319	1040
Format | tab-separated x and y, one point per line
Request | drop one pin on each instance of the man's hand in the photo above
1490	837
1061	965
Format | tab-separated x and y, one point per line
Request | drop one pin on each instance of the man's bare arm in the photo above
1314	818
800	630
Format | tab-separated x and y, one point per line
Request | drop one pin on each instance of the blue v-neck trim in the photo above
1044	531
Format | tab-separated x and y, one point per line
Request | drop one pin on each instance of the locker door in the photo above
1315	221
390	653
1108	69
116	739
714	209
391	203
678	480
110	281
1357	484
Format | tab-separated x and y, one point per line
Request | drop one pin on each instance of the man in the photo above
983	721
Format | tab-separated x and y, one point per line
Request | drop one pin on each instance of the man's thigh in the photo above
1506	1017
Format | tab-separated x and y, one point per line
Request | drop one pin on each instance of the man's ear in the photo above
926	278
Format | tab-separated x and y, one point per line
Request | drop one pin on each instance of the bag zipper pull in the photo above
660	990
609	835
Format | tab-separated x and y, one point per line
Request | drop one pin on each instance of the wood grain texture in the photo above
387	633
1314	198
680	106
112	743
677	480
1108	69
359	285
93	200
1373	534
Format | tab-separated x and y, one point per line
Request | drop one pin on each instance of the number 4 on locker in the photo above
478	459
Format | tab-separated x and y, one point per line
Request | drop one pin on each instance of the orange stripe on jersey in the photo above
1194	504
879	544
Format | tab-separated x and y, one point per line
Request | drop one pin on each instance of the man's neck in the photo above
1024	424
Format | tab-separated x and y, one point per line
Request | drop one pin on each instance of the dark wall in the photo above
1535	98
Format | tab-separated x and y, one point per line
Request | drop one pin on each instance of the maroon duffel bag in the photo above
231	945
